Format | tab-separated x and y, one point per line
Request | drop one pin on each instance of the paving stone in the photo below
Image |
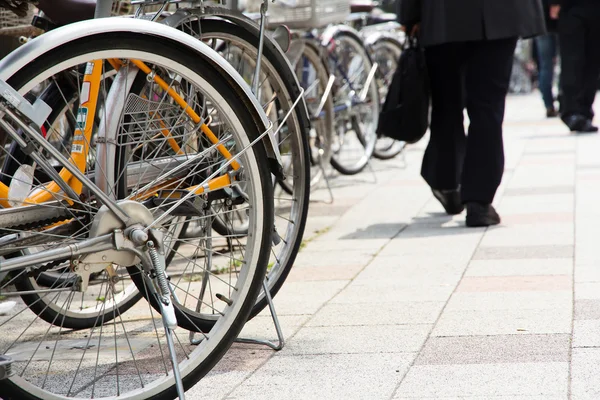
326	376
562	300
298	298
440	381
530	235
587	290
587	309
502	322
523	252
515	283
559	266
586	333
585	380
376	294
323	259
541	190
587	273
495	349
536	218
390	313
329	273
358	339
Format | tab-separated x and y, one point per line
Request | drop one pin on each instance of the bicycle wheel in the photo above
126	358
386	53
313	76
278	91
355	117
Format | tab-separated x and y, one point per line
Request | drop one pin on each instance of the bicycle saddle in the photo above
382	18
63	12
357	6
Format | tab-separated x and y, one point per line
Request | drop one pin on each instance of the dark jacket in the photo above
446	21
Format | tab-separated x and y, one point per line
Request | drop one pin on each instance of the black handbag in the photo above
405	114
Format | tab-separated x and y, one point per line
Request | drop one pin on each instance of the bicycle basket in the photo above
304	14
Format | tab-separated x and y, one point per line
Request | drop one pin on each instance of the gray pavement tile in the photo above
439	381
261	327
523	252
298	298
375	231
530	235
545	283
536	218
587	309
503	322
562	300
495	349
326	376
545	397
539	191
587	291
325	259
390	313
558	266
322	245
389	293
329	273
358	339
586	333
585	380
585	273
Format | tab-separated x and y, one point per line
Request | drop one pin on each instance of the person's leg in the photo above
546	50
572	53
487	79
443	159
592	64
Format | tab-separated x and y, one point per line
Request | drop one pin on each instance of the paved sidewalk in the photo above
392	299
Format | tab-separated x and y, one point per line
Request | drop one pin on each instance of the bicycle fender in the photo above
76	31
331	31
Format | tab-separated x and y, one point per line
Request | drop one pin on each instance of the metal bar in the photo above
93	245
103	8
365	89
261	42
41	291
330	83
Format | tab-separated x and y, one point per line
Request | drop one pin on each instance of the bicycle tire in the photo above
353	122
276	62
386	52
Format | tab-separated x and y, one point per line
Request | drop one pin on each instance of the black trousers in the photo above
579	33
474	75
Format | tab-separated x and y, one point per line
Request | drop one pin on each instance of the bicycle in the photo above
188	133
384	40
241	34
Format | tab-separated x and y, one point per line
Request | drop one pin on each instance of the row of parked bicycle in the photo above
170	161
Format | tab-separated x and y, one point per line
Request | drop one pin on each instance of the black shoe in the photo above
450	200
551	112
576	122
481	215
588	127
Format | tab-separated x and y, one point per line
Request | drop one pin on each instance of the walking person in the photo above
547	50
469	47
579	36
